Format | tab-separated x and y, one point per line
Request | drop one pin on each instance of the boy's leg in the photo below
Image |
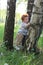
18	41
23	40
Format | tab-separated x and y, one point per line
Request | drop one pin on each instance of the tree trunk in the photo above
36	28
30	7
9	24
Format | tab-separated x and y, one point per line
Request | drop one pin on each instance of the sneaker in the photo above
19	47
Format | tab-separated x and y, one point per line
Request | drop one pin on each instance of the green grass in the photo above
2	31
3	13
19	57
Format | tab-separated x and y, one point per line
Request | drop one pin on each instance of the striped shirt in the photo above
23	30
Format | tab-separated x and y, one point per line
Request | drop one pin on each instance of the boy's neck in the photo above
24	22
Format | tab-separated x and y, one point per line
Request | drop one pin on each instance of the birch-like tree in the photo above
9	24
36	25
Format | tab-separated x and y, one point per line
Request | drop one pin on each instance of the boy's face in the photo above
26	19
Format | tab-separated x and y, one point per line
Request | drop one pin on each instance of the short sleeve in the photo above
23	25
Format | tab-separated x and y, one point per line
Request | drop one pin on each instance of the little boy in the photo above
22	33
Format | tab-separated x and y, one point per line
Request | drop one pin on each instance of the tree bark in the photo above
35	30
9	24
30	7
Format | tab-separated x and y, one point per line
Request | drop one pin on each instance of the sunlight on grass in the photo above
2	24
2	31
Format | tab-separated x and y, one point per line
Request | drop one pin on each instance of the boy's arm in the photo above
27	25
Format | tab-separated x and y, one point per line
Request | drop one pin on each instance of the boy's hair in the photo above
23	16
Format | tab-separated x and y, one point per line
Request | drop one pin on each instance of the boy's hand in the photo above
27	25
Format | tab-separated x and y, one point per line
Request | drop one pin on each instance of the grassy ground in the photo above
2	31
19	58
